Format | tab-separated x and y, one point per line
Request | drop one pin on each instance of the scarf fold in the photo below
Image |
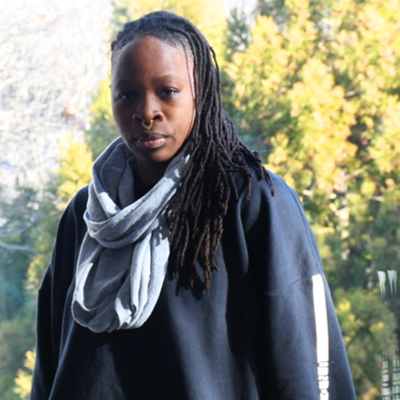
123	259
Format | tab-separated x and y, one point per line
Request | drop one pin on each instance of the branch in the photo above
17	247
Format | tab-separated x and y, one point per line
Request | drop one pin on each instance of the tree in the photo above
23	382
51	58
102	130
73	173
237	34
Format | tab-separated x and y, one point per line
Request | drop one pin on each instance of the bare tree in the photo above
52	56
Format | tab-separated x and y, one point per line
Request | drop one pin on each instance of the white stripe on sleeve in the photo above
321	326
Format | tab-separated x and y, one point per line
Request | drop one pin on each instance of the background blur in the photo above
312	85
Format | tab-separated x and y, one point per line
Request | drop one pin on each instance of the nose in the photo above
148	109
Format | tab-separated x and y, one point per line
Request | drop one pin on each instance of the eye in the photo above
168	92
127	96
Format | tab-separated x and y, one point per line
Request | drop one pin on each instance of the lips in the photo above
151	140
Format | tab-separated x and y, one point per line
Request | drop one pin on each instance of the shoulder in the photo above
73	215
72	227
70	233
277	231
278	204
79	202
269	197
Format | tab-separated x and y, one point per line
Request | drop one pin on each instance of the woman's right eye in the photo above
127	96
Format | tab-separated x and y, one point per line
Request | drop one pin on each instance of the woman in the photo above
184	270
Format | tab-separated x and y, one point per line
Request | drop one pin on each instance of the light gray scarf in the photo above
124	255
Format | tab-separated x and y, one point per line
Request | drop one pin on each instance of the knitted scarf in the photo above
123	259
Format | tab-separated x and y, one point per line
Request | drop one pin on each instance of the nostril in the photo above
140	117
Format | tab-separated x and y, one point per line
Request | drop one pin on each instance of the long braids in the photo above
196	212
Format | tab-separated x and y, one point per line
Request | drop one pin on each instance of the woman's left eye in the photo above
168	92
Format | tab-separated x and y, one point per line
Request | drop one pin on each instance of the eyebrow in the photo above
165	77
156	79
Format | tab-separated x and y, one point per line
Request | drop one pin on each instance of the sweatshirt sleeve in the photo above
51	297
304	351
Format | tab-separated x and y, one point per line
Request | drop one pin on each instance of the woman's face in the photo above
153	81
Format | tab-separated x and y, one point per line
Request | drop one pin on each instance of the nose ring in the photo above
147	125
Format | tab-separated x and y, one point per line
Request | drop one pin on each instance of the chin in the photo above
153	158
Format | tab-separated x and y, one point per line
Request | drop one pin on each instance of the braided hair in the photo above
197	210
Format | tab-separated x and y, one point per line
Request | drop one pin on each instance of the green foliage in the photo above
23	382
368	327
273	8
16	337
73	173
42	240
237	35
75	170
385	235
12	272
102	127
17	328
17	216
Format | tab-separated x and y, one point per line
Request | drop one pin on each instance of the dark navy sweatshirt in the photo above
267	330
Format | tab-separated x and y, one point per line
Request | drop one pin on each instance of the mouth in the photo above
151	140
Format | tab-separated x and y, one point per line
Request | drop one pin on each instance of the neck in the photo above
149	174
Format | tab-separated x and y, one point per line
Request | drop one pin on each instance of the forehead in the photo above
150	54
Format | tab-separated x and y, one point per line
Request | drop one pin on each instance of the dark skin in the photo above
152	83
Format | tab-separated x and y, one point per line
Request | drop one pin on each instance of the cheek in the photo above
122	117
186	123
114	111
192	118
189	113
